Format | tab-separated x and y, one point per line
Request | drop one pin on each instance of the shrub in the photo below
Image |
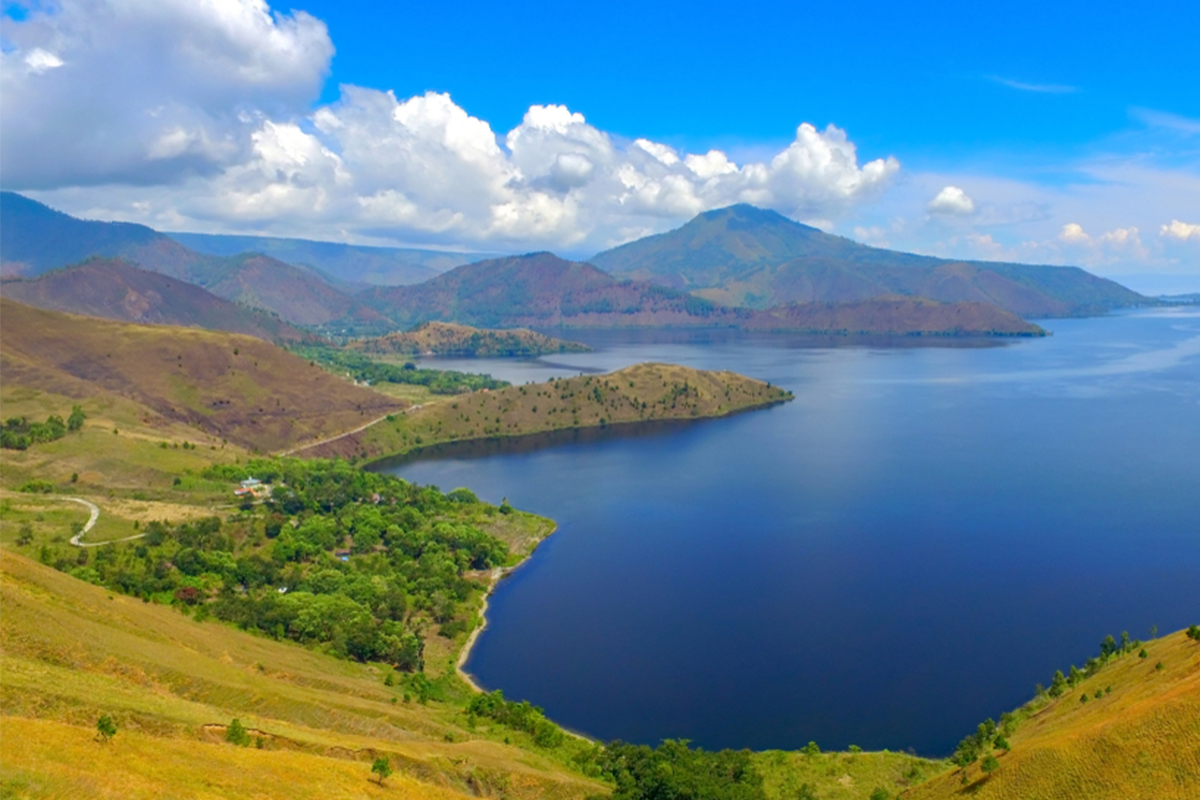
106	728
989	764
236	734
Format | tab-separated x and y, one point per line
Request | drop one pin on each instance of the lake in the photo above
908	547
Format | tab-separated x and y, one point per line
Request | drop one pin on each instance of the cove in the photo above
908	547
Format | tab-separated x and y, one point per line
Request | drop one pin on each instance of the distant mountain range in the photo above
543	290
747	256
115	289
735	267
354	266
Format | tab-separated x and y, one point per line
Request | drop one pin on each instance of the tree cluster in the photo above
18	433
674	771
358	563
519	716
366	369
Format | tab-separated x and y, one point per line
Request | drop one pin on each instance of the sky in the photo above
1063	133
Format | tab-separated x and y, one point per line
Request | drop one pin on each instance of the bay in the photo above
908	547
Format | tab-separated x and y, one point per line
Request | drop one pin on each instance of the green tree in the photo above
236	734
989	764
75	420
1001	743
381	768
811	749
880	793
106	728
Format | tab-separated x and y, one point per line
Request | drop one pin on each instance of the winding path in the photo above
359	429
91	523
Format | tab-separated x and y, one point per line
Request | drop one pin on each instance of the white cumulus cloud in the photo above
1180	231
196	114
951	200
145	91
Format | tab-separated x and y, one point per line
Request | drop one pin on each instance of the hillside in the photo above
1134	736
746	256
641	393
351	264
227	385
73	651
894	316
115	289
543	290
35	238
449	339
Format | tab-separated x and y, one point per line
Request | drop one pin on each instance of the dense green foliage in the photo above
674	771
366	369
18	432
518	716
359	563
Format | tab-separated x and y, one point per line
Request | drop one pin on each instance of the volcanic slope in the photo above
1134	734
73	651
543	290
450	339
115	289
747	256
236	387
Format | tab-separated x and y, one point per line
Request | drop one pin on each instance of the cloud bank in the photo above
198	114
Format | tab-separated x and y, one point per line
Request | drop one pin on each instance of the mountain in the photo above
747	256
231	386
450	339
543	290
115	289
35	238
345	263
540	290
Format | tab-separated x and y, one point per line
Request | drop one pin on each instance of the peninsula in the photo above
641	393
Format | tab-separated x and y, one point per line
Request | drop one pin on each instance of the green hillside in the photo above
450	339
746	256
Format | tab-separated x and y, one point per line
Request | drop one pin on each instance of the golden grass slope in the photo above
451	339
72	651
1139	742
227	385
641	393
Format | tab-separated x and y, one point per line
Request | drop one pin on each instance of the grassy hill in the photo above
114	289
224	385
73	651
450	339
746	256
1137	735
641	393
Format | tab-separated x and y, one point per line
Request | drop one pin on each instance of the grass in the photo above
72	651
641	393
1142	739
841	776
228	386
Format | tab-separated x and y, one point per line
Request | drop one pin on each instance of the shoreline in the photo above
497	575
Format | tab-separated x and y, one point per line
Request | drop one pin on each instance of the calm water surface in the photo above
902	551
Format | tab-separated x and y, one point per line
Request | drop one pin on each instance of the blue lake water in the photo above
908	547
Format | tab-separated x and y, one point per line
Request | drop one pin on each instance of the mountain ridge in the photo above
746	256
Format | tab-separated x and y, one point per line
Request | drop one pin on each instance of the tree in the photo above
811	749
382	768
236	734
880	793
989	764
75	420
106	728
1001	743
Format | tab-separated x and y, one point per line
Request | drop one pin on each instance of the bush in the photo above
236	734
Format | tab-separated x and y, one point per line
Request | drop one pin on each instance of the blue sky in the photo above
928	80
1045	132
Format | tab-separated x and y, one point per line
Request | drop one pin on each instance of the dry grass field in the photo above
1139	742
641	393
73	651
228	386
